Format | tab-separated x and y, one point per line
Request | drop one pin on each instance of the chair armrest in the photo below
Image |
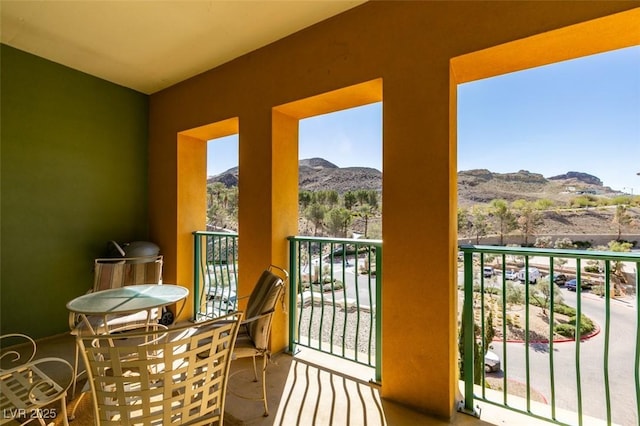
257	317
14	354
39	392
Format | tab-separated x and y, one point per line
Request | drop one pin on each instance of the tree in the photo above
543	293
349	200
617	267
362	195
365	212
528	218
338	220
315	214
332	198
499	209
463	220
479	222
621	218
305	198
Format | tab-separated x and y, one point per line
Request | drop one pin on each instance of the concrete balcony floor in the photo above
302	390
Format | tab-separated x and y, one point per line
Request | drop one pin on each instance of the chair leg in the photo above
72	415
264	384
63	408
75	372
255	371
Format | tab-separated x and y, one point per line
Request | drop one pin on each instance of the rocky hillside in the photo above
317	174
474	186
478	187
482	186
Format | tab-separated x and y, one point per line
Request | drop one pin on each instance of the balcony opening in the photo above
340	169
546	161
222	184
540	147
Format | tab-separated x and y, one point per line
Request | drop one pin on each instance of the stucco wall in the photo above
74	175
408	47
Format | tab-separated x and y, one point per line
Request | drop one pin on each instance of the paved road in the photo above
591	367
358	287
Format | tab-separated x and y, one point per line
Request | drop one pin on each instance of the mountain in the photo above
474	186
579	177
482	186
317	174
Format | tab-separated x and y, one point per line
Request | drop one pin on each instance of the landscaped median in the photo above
511	323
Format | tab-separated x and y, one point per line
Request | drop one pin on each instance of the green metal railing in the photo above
215	274
562	373
335	298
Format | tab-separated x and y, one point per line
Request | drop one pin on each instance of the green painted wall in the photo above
74	176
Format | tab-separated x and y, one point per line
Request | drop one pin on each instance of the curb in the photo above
594	333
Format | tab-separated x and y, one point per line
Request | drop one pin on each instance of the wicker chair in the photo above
173	376
27	386
255	331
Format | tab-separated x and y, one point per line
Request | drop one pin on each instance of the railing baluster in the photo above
504	331
551	331
346	312
607	330
215	253
294	284
468	332
637	368
554	361
323	315
372	299
482	324
378	322
527	301
578	335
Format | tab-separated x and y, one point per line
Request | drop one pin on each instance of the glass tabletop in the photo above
128	299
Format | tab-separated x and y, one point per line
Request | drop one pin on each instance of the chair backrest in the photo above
119	272
171	376
262	303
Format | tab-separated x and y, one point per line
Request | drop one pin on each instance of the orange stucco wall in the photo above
407	49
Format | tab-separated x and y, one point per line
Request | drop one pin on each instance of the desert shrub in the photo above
487	290
593	268
543	242
565	330
584	201
582	245
569	329
515	294
564	243
564	309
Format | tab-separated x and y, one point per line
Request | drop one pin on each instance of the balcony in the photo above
86	160
331	371
540	378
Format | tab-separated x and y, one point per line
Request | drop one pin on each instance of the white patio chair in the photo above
173	376
255	331
27	388
112	273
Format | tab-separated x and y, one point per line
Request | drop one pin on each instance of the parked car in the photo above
534	275
488	271
491	362
511	275
572	284
560	279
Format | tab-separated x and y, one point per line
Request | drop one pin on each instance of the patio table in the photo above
125	300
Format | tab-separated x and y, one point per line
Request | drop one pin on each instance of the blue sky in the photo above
581	115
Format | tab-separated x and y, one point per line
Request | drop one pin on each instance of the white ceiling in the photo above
149	45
